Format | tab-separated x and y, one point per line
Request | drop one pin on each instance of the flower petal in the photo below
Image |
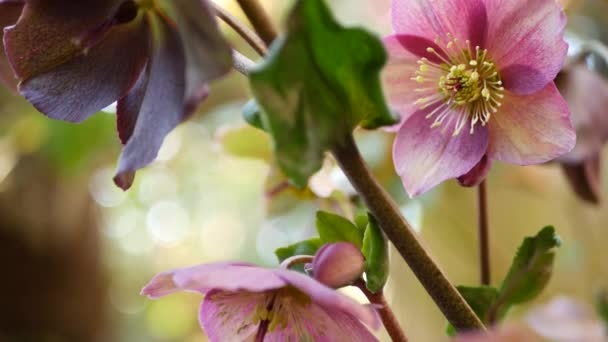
313	322
431	19
9	13
229	276
162	108
425	156
531	129
525	40
87	83
48	32
229	316
585	178
329	298
208	55
477	174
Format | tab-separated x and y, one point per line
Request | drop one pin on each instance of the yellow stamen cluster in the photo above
460	84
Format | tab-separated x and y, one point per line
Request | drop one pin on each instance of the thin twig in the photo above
484	234
401	234
241	63
386	314
259	20
247	34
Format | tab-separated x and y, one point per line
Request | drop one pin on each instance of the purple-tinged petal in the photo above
229	316
87	83
531	129
585	178
425	156
477	174
9	13
525	40
208	55
48	32
162	108
128	107
586	93
329	298
430	19
312	322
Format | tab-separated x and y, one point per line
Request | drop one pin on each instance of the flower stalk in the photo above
247	34
400	233
259	20
389	320
484	234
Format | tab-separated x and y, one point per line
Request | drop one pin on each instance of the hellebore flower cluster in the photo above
73	58
473	82
244	302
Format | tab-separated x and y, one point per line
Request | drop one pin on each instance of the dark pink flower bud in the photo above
338	264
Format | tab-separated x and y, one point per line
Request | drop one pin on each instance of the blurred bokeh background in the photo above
75	250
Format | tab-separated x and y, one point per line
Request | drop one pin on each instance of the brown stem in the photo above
400	233
386	314
248	35
259	19
484	238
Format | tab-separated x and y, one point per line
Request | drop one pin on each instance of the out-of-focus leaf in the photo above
335	228
246	142
602	306
319	82
306	247
251	114
375	250
531	268
480	299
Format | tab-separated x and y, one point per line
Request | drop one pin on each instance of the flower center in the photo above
459	84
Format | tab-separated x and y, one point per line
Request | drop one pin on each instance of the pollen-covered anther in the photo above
463	85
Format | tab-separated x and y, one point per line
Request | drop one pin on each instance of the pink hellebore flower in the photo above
244	302
474	78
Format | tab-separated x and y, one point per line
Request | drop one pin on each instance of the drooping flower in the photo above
9	13
586	92
474	78
73	58
244	302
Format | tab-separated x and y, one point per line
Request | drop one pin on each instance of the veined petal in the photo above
48	32
162	108
525	40
531	129
9	13
313	322
87	83
329	298
431	19
425	156
232	316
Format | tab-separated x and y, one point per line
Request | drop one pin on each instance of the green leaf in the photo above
531	268
375	250
246	142
306	247
318	83
335	228
602	306
481	300
251	114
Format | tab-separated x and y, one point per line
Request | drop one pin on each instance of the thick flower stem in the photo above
249	36
484	239
389	320
259	20
400	233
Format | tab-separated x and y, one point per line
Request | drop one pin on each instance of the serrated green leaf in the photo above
251	114
335	228
531	268
481	300
306	247
318	83
375	250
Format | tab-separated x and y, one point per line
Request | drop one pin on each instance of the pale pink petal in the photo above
329	298
312	322
229	316
404	52
531	129
436	18
425	156
525	40
221	276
